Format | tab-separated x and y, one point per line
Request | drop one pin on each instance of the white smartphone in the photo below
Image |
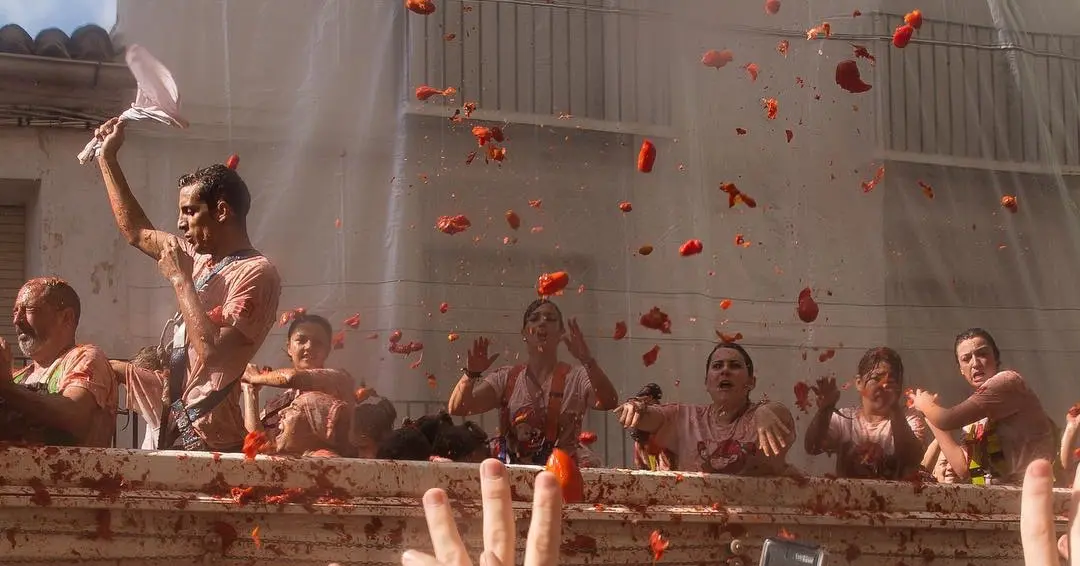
776	552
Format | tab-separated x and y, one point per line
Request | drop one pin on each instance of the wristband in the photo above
472	374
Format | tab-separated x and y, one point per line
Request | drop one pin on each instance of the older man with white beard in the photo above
67	395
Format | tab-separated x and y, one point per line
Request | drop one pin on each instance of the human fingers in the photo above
1037	516
417	558
445	539
499	532
542	548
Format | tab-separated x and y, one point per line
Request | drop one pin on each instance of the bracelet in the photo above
472	374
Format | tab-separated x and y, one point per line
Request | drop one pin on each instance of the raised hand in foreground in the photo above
1037	518
542	547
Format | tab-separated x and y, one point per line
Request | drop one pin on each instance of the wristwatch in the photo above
472	374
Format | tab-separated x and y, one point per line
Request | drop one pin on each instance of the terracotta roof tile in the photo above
88	43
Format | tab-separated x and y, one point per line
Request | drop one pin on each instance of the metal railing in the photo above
981	93
524	58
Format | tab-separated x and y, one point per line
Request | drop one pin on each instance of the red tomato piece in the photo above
233	161
353	321
725	304
927	190
717	59
740	131
337	341
424	92
789	134
782	47
848	77
444	307
728	338
772	107
482	134
255	443
513	219
620	330
452	224
861	51
362	394
752	70
536	203
552	283
1009	203
566	470
587	437
913	19
645	250
625	206
646	156
772	7
690	247
658	543
826	355
422	7
902	36
650	357
802	396
808	308
656	319
395	337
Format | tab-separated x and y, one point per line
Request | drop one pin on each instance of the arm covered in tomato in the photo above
472	397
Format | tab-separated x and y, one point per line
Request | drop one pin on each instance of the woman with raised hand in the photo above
1005	426
878	439
542	402
732	435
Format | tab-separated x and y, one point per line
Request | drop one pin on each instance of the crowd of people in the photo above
197	389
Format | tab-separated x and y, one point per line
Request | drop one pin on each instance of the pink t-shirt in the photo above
86	367
865	449
1015	416
701	443
247	290
530	401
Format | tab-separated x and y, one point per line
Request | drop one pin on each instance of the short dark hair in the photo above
537	304
57	293
406	443
875	356
732	346
315	319
977	333
219	183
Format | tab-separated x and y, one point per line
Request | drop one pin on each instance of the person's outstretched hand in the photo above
542	547
1041	547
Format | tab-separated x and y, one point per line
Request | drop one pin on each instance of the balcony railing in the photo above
981	94
526	61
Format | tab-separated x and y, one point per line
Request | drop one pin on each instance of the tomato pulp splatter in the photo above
353	321
1009	203
587	437
566	470
233	161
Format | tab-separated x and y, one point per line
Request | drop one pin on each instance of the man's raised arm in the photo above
130	217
